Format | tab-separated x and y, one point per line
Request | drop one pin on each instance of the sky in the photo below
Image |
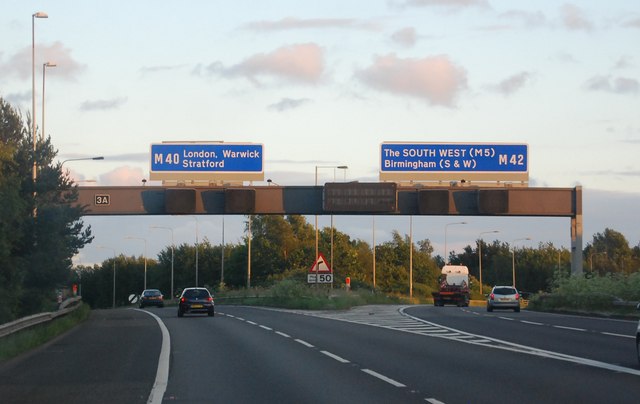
324	84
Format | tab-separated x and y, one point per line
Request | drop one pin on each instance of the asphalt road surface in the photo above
371	354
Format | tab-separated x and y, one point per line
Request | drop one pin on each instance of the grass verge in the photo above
295	295
25	340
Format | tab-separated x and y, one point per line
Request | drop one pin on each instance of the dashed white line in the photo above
531	322
506	318
283	334
618	335
383	378
251	322
336	357
433	401
305	343
266	328
569	328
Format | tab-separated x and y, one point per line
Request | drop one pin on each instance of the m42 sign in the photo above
454	162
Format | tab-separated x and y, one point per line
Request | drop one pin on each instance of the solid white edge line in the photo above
383	378
336	357
162	374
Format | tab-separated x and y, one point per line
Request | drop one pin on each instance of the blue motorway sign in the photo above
206	158
453	158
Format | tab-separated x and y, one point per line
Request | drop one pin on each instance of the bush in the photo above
590	293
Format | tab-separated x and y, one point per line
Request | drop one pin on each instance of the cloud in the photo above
406	36
289	23
302	63
434	79
618	85
289	103
103	104
564	57
634	23
122	176
527	18
512	84
453	5
157	69
18	98
67	67
624	62
573	18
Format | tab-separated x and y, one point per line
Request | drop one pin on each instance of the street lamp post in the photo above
373	242
82	158
114	273
39	14
480	254
197	247
446	257
513	259
410	257
591	258
44	67
342	167
145	256
172	253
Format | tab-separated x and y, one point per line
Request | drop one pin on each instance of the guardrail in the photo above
65	308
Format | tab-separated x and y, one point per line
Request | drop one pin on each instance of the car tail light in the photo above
492	296
209	299
517	296
182	300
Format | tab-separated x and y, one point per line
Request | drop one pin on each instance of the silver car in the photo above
503	297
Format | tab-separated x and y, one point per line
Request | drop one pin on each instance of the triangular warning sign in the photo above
320	265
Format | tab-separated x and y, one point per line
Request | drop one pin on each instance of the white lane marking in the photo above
240	318
336	357
228	315
506	318
283	334
162	374
568	328
433	401
251	322
510	346
383	378
266	328
305	343
531	322
618	335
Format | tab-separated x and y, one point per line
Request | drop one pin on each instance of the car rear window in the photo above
196	293
152	293
504	291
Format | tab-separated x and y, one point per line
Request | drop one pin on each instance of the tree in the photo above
41	229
